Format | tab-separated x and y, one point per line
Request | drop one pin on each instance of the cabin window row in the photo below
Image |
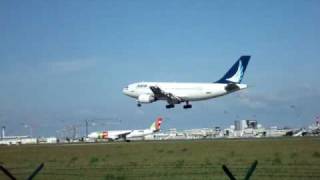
142	85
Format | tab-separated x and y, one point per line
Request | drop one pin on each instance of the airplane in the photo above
127	134
177	92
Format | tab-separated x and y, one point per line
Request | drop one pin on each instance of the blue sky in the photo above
62	62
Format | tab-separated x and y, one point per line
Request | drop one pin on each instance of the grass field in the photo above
283	158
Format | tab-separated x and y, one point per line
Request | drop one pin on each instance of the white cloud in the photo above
140	111
263	100
70	65
286	96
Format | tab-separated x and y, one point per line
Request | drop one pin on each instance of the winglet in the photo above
236	72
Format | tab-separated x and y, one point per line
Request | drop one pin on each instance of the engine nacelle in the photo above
146	98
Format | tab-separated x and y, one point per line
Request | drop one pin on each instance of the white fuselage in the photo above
118	134
140	133
185	91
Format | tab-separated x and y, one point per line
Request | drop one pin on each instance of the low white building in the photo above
47	140
17	140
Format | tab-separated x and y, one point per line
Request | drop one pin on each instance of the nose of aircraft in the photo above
128	91
125	90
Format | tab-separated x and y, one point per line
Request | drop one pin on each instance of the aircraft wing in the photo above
123	135
160	94
118	135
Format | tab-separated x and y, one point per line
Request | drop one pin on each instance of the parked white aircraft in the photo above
127	134
176	93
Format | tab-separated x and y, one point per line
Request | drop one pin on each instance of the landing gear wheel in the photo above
169	106
139	105
187	106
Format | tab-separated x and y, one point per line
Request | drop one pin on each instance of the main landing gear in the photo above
187	106
139	105
169	106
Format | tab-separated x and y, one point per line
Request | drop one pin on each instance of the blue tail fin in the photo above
236	72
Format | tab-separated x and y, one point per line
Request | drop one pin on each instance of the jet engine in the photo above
146	98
